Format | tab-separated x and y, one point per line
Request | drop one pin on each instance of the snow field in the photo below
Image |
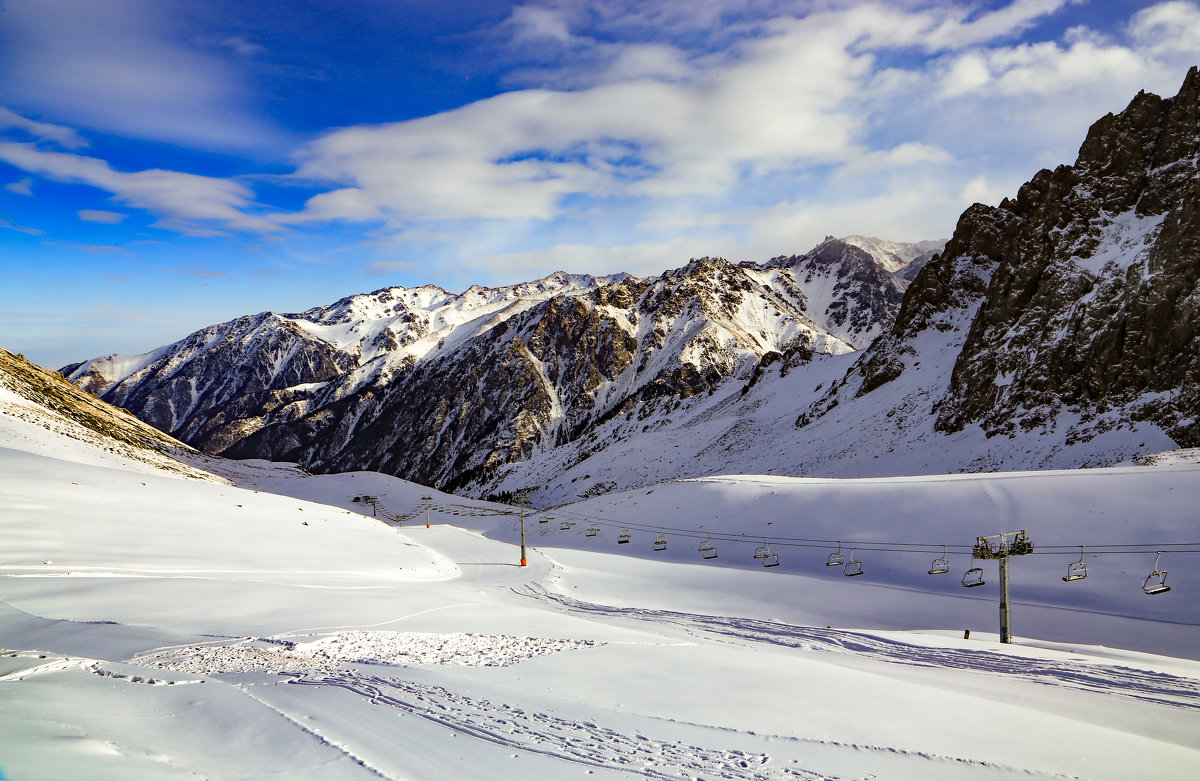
174	634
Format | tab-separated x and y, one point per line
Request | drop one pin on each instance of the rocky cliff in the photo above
1075	304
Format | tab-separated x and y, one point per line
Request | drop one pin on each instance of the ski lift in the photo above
623	537
771	559
546	519
593	531
940	566
707	549
763	551
1076	570
836	559
973	577
1156	581
565	525
853	567
660	542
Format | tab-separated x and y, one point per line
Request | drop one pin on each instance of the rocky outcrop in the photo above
1075	304
1095	300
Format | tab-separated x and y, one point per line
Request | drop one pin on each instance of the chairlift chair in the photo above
973	577
836	559
1076	570
546	519
763	551
940	566
707	549
853	567
1156	581
623	537
565	525
660	542
593	531
772	560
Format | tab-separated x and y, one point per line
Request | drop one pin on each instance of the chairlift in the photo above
853	567
546	519
973	577
565	525
1076	570
623	537
763	551
660	542
1156	581
836	559
940	566
593	531
707	549
772	560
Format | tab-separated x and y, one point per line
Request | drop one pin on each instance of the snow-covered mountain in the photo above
1057	330
378	381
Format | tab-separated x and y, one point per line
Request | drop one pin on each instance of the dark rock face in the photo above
1094	303
1079	297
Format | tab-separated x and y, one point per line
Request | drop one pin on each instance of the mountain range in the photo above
1057	329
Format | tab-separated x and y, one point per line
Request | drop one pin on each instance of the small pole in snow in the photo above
427	500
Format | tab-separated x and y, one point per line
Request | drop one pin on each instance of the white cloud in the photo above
104	217
788	128
125	67
21	187
239	44
65	137
1172	26
186	203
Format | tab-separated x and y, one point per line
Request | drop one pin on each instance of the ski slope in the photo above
257	624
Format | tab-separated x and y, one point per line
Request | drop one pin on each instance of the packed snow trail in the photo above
1153	687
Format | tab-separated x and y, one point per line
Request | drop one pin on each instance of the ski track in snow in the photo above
592	744
1145	685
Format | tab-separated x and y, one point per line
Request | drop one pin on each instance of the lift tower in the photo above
1001	547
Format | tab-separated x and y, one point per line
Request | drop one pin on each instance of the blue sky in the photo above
165	165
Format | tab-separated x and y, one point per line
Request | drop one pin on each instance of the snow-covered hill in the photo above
253	623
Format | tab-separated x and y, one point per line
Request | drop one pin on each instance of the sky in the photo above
166	165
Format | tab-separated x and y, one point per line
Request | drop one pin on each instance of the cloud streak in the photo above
127	67
186	203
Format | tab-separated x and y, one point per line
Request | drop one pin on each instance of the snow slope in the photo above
156	627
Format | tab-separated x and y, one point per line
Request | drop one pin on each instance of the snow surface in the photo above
154	627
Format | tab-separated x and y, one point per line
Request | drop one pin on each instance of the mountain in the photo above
1071	311
380	381
213	387
1058	329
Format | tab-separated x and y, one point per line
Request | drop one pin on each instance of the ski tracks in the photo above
579	742
1153	687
